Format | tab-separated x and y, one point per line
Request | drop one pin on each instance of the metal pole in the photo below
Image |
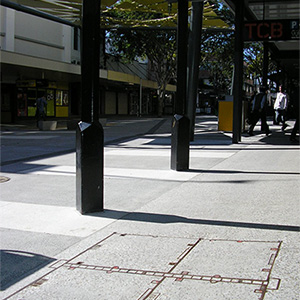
265	64
89	134
193	63
238	71
141	96
265	70
180	125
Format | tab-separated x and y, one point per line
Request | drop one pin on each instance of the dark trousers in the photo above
256	116
40	116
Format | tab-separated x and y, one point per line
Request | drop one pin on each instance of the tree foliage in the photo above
217	51
158	46
253	56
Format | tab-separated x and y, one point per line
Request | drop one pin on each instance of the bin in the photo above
226	115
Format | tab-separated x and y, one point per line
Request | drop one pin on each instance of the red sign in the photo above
271	30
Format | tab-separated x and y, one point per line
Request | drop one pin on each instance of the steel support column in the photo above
180	126
89	134
265	64
238	71
193	62
265	69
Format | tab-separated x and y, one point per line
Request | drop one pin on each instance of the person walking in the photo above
280	108
259	111
41	105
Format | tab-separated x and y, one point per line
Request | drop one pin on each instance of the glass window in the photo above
21	103
62	98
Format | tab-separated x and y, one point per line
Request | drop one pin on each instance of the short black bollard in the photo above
180	143
89	167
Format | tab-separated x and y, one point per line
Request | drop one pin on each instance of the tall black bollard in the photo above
238	72
193	63
180	127
89	134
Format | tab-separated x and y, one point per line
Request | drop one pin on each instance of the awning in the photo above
165	11
284	52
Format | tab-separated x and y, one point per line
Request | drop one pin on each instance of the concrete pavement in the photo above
228	228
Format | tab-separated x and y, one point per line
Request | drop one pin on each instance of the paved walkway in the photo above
226	229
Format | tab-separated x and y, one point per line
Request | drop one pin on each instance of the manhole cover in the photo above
4	179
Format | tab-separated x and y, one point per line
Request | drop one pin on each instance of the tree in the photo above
217	50
129	42
253	56
158	46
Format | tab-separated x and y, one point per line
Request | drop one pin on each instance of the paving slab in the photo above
227	228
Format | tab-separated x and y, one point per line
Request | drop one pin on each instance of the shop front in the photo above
57	96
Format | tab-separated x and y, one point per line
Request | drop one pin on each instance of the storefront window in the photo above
62	98
21	103
28	92
50	103
62	102
31	102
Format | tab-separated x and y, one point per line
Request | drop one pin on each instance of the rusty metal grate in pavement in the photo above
261	285
231	263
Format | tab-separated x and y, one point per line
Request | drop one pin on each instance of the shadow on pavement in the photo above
165	219
242	172
17	265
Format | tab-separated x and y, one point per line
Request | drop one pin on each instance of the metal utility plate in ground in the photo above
129	266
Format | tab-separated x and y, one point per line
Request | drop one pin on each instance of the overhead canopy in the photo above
284	52
164	12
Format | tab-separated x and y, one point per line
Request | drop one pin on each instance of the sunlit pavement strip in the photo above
166	153
149	174
115	172
49	219
28	137
51	170
133	173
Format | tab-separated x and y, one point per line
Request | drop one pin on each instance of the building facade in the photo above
39	56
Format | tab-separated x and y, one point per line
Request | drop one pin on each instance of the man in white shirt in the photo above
280	107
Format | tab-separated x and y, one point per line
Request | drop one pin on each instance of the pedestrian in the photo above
41	105
258	111
280	107
249	119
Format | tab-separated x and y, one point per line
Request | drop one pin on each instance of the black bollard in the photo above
180	150
89	167
89	134
193	63
181	125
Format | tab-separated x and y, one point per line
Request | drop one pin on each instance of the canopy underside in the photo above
164	13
